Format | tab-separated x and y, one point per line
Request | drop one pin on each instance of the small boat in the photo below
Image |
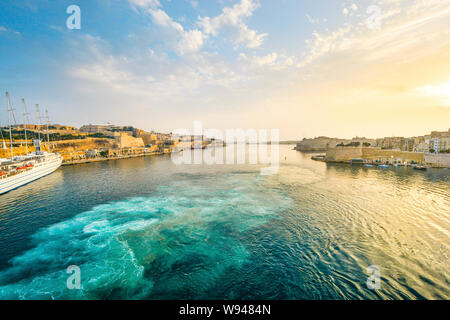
368	165
318	158
420	167
383	166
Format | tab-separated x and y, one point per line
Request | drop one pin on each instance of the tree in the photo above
104	153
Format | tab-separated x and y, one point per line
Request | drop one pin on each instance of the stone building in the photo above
126	140
325	143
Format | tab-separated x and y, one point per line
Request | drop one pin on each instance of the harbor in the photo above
102	159
145	228
225	158
357	153
367	163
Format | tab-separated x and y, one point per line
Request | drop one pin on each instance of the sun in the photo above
440	91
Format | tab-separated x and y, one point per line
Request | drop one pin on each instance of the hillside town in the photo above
432	149
90	142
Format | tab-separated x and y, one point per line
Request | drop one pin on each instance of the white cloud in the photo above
186	41
151	75
405	26
325	43
191	41
250	37
201	83
231	19
312	20
270	63
260	61
9	31
145	3
161	18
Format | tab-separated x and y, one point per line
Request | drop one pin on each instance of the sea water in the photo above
149	229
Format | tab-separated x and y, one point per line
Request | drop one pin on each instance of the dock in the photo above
101	159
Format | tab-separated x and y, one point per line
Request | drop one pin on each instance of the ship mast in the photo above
9	122
25	124
39	122
48	133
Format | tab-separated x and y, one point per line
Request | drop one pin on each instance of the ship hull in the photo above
21	179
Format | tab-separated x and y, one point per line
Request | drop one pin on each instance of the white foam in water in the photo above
184	238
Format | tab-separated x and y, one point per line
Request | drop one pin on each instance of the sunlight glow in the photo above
442	90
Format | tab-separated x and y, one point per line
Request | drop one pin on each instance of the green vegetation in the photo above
104	154
123	129
351	144
97	135
441	151
20	135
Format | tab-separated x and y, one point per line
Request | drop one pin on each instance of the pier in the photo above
101	159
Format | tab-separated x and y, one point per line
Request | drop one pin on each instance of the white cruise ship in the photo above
20	170
25	169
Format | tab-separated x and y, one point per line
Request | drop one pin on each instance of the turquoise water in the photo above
148	229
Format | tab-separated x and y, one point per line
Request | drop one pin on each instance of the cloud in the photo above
272	61
358	68
185	41
260	61
9	31
145	3
191	41
323	44
152	75
404	29
311	20
352	44
161	18
232	19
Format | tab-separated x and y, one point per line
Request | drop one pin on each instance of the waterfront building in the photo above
125	140
324	143
373	154
105	129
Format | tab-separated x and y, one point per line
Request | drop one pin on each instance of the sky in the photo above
338	68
